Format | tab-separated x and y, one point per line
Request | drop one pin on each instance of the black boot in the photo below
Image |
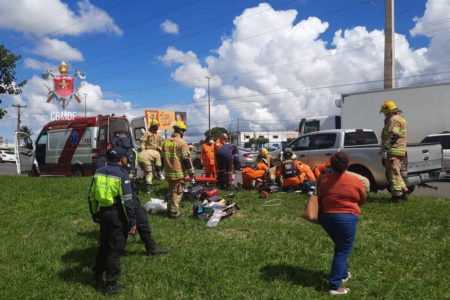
113	288
404	197
395	199
98	280
148	188
156	251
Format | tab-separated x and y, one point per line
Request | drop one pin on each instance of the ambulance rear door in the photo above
103	135
24	152
138	127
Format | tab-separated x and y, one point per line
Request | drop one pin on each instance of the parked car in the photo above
422	164
246	156
444	139
7	156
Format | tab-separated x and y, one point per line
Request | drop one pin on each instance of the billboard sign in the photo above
166	118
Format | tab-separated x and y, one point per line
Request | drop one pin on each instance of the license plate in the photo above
424	177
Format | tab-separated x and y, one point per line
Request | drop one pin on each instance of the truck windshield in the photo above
311	126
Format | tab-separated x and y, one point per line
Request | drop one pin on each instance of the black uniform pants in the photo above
143	227
113	237
224	168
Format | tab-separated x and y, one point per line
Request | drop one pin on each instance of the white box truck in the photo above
425	107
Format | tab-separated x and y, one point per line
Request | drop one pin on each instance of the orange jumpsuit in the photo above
208	159
251	174
320	168
303	173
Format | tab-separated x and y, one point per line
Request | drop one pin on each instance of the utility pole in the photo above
209	108
18	114
389	46
85	107
238	134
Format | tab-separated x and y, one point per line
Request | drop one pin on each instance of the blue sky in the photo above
155	54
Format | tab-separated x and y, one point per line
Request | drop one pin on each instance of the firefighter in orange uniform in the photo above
207	158
253	177
294	173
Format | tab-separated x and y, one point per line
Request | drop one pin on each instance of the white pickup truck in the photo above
423	162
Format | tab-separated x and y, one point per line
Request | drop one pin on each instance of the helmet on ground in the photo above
180	125
387	107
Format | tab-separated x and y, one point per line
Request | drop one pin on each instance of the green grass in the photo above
48	244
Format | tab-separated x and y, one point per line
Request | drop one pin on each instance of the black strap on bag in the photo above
95	216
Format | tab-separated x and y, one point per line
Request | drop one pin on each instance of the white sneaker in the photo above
161	177
349	275
340	291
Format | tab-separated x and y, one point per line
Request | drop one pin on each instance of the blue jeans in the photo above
342	230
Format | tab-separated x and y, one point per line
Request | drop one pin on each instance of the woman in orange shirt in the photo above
340	197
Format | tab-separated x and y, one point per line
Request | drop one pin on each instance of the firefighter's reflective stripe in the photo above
394	125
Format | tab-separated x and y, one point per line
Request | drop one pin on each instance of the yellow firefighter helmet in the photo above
180	124
388	106
153	122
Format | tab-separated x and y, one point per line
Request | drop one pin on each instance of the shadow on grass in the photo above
78	263
90	235
296	275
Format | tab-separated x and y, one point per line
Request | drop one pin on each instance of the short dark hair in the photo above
339	162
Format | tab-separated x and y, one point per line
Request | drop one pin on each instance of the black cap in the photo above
116	153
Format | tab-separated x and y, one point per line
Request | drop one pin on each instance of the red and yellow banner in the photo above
166	118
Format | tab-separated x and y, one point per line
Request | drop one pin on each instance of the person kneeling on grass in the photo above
340	197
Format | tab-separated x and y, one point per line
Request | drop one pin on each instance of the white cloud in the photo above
55	17
170	27
434	24
31	63
272	70
58	50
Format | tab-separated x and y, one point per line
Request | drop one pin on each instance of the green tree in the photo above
259	140
215	132
26	130
8	84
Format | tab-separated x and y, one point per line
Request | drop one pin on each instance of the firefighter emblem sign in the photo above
63	85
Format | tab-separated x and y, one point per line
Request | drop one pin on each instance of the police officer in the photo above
177	163
393	148
112	207
143	226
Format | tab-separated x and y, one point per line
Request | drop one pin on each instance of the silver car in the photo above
246	157
444	139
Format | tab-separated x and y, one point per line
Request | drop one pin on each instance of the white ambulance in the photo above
68	147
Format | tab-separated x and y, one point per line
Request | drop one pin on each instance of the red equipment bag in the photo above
210	193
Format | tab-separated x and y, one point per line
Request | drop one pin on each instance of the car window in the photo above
42	139
360	138
324	141
444	140
301	144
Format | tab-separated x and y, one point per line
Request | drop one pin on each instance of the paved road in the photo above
443	187
8	168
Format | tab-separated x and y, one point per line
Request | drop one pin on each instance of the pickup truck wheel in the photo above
368	175
411	189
